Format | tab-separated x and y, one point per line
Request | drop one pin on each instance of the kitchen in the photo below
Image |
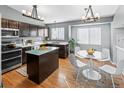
64	46
19	37
35	51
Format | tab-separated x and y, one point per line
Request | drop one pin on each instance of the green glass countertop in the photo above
41	51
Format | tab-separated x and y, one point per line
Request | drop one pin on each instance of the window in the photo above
95	36
40	32
43	32
89	35
46	32
82	36
57	34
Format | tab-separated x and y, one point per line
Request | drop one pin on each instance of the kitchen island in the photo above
63	48
42	63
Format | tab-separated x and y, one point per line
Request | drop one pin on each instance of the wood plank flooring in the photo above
58	79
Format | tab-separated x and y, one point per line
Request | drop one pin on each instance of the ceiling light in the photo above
89	15
32	14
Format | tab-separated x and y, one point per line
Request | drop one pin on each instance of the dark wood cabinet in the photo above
6	23
24	29
33	30
63	49
27	30
40	67
13	24
24	56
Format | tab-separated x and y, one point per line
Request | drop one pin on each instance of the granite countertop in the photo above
41	51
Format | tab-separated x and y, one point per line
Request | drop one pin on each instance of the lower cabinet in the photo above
24	56
63	49
40	67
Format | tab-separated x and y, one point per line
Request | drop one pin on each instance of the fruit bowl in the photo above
43	48
90	51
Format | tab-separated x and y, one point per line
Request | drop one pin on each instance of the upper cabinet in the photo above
10	24
118	21
24	29
4	23
33	30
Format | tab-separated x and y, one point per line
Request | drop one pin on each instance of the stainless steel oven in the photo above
11	55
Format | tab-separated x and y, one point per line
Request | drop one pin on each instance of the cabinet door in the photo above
4	23
13	24
24	29
10	24
33	31
24	56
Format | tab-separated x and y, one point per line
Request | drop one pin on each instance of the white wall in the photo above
117	32
118	20
117	38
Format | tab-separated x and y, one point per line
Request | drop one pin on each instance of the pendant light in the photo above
32	14
89	15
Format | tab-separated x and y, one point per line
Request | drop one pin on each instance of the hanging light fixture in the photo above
89	15
32	14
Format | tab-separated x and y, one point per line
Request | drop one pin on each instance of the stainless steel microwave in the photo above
9	32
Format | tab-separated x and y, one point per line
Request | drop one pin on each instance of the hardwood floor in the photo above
62	78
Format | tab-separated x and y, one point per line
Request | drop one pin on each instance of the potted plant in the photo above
72	44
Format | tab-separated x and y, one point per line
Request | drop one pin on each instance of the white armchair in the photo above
76	50
114	70
105	55
77	64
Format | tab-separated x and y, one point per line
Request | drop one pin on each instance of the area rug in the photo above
23	71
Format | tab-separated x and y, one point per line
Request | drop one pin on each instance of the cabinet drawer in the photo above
24	56
27	48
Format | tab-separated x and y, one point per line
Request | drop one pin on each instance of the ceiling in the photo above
62	13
